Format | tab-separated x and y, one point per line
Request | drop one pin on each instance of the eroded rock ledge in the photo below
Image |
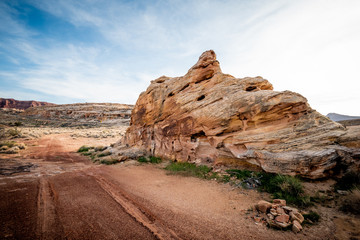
210	117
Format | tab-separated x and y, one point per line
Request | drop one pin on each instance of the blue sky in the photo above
108	51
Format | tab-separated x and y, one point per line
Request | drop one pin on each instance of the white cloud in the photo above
75	72
309	47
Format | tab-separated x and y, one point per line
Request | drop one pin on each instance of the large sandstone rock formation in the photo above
210	117
16	104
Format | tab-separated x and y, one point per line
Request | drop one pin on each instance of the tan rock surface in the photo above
210	117
283	218
263	206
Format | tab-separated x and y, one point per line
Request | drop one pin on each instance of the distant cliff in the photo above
108	113
12	103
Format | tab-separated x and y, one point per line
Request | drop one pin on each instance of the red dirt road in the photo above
65	196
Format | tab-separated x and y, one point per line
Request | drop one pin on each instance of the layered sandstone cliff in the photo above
210	117
16	104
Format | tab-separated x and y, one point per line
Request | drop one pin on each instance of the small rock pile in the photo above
278	215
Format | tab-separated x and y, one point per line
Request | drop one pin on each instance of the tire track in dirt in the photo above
51	149
48	223
136	210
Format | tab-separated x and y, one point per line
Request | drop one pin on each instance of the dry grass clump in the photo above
351	203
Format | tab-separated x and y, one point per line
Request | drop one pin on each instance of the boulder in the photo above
273	212
280	202
289	209
282	224
296	216
280	211
210	117
296	226
283	218
263	206
277	225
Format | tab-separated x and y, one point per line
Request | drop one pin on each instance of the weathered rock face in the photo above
12	103
210	117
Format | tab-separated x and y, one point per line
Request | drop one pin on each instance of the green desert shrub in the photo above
93	158
83	149
103	154
155	159
214	176
188	169
239	174
142	159
280	186
108	162
86	153
284	184
285	187
151	159
225	178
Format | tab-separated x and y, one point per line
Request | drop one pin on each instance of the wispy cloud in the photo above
306	46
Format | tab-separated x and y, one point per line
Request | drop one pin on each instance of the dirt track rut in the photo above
135	209
48	224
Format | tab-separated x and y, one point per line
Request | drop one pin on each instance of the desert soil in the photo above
49	191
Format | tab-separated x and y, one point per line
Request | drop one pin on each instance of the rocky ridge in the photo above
70	114
16	104
209	117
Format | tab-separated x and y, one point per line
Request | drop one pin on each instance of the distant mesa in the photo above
68	115
213	118
83	113
339	117
22	105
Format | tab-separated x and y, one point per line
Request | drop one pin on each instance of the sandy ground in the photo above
65	196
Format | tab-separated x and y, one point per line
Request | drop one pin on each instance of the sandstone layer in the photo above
16	104
210	117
